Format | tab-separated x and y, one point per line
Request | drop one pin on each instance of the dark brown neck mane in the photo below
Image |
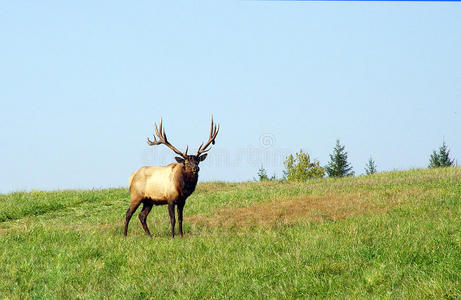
190	181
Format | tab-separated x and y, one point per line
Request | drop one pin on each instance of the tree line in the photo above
300	167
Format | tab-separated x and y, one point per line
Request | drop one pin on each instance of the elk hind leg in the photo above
134	203
147	206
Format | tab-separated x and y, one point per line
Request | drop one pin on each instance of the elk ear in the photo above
179	159
202	157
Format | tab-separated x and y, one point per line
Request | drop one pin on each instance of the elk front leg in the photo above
180	208
172	217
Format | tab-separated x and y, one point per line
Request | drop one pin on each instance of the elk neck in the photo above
190	181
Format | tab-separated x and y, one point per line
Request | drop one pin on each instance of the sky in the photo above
82	83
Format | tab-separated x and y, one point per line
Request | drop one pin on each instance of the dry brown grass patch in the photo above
304	208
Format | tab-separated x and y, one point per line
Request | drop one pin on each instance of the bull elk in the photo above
167	185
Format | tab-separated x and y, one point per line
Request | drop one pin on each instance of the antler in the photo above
163	140
213	133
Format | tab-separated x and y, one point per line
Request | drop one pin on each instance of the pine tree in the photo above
262	175
338	165
370	167
441	159
444	156
434	161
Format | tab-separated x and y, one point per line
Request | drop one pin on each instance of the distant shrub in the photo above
370	167
301	168
262	175
441	159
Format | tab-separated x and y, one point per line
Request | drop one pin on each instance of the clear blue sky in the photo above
81	84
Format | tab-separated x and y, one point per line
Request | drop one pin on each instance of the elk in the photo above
167	185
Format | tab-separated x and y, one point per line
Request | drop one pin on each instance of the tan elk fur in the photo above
158	183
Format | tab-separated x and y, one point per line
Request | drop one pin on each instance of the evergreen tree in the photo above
338	165
444	156
434	160
301	168
441	159
370	167
262	175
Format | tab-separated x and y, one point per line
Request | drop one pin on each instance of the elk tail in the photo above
130	180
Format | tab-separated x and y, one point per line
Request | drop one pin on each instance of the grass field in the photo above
388	235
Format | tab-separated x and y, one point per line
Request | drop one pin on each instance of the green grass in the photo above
389	235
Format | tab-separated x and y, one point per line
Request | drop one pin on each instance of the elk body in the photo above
167	185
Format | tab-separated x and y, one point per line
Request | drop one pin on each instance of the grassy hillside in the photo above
389	235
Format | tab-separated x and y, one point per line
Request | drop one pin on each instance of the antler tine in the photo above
211	128
214	129
216	133
156	128
154	142
160	129
211	140
160	132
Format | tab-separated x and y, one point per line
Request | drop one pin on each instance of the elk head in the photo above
190	162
